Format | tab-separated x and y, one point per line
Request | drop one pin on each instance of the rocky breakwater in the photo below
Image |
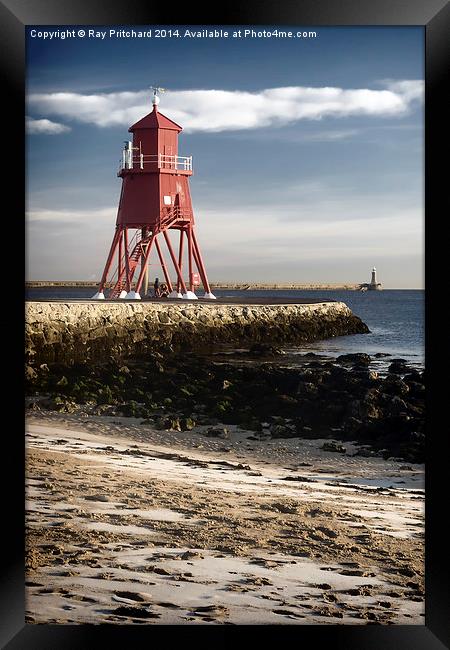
79	332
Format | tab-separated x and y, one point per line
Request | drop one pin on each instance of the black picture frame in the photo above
434	16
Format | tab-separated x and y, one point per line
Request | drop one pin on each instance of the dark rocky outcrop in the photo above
316	400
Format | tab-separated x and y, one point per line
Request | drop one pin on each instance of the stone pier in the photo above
73	332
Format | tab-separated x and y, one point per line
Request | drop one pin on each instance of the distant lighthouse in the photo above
373	285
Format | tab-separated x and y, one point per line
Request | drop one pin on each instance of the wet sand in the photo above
128	524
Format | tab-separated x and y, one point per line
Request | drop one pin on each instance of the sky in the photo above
307	152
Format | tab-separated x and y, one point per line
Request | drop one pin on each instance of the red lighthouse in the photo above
155	198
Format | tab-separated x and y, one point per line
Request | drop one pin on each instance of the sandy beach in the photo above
128	524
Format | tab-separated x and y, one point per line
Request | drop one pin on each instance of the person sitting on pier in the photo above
164	291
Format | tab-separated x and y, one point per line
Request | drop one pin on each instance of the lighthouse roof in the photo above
155	120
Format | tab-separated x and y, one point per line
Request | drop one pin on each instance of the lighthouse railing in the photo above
162	161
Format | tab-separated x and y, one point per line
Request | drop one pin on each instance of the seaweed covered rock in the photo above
315	400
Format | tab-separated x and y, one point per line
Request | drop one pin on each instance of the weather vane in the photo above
157	90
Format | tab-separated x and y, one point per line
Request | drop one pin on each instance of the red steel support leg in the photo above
119	266
174	261
189	234
109	259
163	265
127	259
180	256
144	265
200	265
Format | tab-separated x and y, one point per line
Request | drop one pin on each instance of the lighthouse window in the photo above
167	200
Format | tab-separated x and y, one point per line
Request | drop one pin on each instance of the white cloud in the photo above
331	136
221	110
411	90
45	126
82	217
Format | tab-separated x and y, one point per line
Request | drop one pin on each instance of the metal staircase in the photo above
122	280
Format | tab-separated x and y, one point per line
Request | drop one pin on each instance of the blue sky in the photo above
308	153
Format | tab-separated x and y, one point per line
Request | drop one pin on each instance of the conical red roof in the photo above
155	120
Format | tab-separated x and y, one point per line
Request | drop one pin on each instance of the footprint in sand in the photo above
131	597
288	613
135	612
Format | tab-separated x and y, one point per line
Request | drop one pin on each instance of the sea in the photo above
395	318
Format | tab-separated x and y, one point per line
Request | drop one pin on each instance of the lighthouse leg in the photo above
163	265
130	295
120	266
177	293
201	268
189	234
100	295
134	295
127	260
190	295
174	262
180	256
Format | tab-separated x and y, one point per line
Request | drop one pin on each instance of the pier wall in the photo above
74	332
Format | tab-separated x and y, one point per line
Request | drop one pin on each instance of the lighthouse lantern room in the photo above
155	199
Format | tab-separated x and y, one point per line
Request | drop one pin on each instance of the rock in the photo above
352	425
397	406
358	358
187	424
393	385
30	373
413	377
170	423
307	389
217	432
263	349
189	555
370	411
334	446
282	431
398	367
416	389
